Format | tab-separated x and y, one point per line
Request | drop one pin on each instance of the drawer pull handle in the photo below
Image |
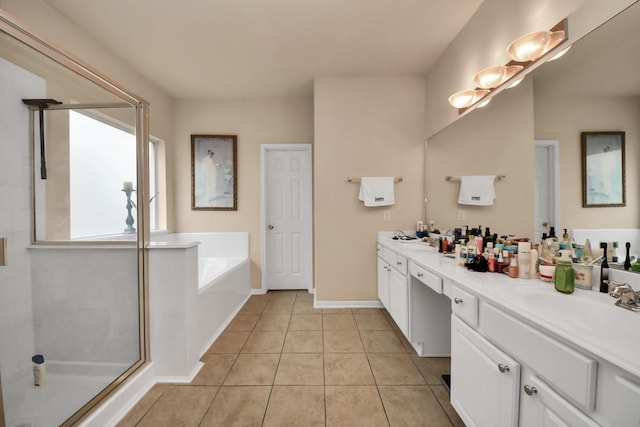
503	368
457	300
399	262
420	274
530	390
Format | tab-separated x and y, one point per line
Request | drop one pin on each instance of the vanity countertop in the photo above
588	319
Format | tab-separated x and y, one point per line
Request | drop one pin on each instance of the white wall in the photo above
16	315
363	127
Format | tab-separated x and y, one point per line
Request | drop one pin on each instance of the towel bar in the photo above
358	178
457	178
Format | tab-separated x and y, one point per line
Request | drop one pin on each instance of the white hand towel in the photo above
477	190
377	191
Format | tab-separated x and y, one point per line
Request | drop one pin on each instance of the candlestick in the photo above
129	221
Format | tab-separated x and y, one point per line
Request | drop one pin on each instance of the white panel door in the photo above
287	198
545	188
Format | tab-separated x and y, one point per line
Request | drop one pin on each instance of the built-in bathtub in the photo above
197	283
213	270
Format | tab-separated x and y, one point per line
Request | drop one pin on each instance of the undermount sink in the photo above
582	310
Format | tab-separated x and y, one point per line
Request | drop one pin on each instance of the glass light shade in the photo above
466	98
493	77
490	77
555	39
530	46
560	54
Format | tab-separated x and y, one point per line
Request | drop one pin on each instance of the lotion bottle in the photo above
39	371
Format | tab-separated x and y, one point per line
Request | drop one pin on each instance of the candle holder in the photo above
129	221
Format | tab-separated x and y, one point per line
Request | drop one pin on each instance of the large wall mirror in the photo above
73	168
595	87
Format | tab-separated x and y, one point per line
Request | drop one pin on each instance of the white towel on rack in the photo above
477	190
377	191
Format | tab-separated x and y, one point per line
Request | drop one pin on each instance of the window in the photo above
102	156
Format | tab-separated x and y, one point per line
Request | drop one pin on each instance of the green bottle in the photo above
564	277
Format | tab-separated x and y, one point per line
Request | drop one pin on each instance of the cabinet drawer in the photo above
566	370
465	306
388	255
429	279
401	264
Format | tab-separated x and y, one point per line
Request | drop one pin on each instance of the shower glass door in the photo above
73	162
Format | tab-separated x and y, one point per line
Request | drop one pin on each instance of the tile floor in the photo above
280	362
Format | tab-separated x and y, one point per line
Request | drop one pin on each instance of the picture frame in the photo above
603	169
214	165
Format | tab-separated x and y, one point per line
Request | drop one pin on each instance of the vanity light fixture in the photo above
534	45
492	77
466	98
524	52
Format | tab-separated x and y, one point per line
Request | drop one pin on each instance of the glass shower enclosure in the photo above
73	232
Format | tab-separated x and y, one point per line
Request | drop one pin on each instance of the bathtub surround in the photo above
188	311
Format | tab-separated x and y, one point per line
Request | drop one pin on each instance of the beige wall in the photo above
495	140
363	127
562	119
255	123
49	23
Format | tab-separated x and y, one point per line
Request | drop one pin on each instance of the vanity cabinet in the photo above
484	379
507	373
540	405
393	288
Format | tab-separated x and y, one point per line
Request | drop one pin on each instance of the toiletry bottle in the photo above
499	263
564	277
513	267
479	244
457	253
552	232
524	260
533	272
627	259
39	371
604	270
491	257
472	250
463	253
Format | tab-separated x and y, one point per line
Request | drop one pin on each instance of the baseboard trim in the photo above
347	304
258	291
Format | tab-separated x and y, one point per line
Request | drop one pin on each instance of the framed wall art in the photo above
603	172
214	172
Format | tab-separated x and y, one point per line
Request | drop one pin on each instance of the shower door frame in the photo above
23	33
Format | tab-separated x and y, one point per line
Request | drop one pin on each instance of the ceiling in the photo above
222	49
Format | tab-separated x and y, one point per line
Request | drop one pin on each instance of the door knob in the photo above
270	226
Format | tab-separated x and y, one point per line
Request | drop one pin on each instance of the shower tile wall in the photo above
16	316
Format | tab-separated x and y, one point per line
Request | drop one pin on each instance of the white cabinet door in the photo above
383	282
484	380
541	406
399	300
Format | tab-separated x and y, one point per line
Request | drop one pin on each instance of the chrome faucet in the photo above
627	297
